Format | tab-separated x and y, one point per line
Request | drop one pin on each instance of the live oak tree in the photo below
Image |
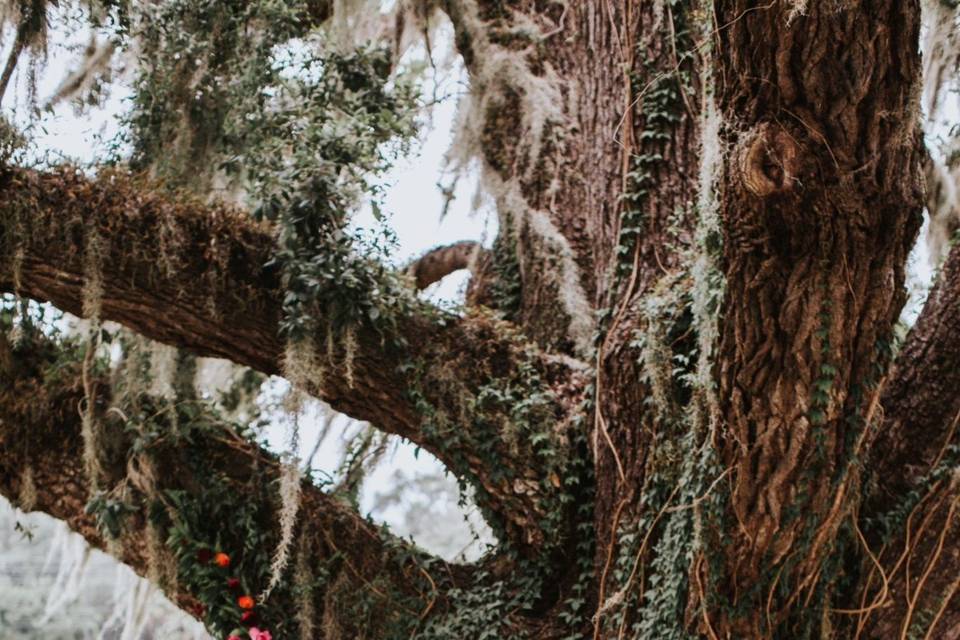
677	388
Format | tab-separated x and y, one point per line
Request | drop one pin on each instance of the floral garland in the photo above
246	603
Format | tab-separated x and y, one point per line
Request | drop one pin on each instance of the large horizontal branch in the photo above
181	273
193	275
42	467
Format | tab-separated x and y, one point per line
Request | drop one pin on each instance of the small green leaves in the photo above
110	513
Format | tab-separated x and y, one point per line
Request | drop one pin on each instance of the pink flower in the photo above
257	634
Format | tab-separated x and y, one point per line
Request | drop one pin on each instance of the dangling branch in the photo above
96	61
33	22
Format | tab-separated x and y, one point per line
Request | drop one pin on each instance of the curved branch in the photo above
193	275
439	262
40	431
922	396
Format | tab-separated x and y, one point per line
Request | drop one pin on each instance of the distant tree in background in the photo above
54	588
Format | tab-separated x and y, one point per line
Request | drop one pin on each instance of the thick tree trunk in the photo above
819	198
821	202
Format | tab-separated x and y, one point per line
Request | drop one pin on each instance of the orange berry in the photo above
222	560
245	602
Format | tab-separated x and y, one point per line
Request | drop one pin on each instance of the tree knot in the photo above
769	158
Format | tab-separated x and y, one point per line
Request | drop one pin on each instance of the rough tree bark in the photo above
705	215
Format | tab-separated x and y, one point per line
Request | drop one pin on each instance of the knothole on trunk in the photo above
769	158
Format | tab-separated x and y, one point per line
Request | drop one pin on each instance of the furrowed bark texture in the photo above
920	398
560	185
640	243
913	590
821	201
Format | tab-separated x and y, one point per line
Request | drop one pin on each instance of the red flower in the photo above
233	583
248	618
245	602
222	560
204	555
234	638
